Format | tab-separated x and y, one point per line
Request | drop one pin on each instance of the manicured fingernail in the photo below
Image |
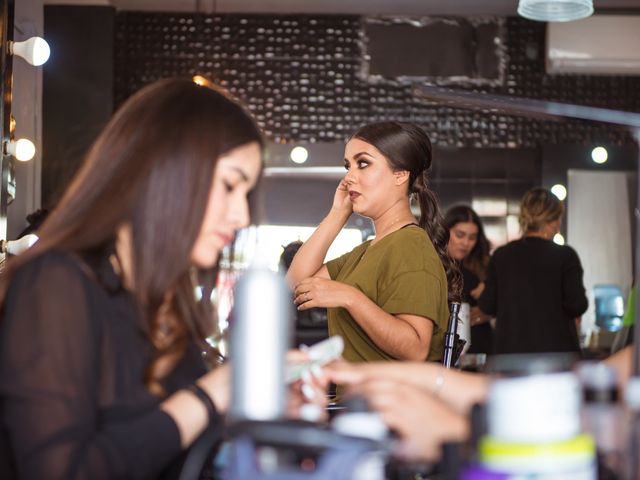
310	412
308	391
306	377
316	371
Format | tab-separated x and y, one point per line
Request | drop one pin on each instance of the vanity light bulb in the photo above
22	149
35	51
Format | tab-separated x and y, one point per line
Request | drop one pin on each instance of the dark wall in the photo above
77	89
301	77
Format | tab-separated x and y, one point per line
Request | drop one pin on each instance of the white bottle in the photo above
259	340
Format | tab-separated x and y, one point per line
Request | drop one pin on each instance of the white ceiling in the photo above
370	7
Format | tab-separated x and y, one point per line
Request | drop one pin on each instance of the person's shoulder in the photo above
411	241
53	266
567	251
410	235
507	248
411	249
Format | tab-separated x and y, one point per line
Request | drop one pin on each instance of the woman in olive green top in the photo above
388	298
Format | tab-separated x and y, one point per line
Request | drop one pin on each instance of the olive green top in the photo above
401	273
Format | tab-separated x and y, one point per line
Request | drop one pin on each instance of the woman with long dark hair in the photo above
469	247
104	367
388	298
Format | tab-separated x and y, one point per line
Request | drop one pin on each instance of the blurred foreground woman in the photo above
104	367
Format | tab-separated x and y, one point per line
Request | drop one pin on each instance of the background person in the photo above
311	325
388	298
469	246
534	286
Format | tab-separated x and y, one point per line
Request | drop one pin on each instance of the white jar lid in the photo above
534	408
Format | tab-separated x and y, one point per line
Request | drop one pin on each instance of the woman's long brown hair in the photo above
152	168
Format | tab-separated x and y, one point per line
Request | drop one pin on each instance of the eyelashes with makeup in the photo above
361	165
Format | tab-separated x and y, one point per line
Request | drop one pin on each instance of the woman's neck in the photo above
396	217
539	234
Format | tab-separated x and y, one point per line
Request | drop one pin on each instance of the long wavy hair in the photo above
478	257
407	147
152	168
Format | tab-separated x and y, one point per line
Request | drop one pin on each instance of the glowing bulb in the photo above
559	191
22	149
599	154
201	80
36	50
558	238
16	247
299	154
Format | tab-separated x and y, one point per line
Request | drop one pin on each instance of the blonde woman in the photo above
534	286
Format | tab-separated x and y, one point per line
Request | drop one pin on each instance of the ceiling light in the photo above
555	10
599	155
559	191
558	238
299	154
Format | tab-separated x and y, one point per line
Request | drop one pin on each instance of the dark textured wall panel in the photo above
77	98
300	77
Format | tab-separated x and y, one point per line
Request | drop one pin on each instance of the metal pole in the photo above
634	434
636	273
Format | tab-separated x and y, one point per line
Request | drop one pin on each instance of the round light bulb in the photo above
36	50
299	154
16	247
599	155
201	81
22	149
559	191
558	238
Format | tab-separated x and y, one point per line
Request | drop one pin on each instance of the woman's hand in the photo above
341	200
320	292
311	390
307	398
422	421
460	390
478	317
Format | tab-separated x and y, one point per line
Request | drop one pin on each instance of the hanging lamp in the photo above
555	10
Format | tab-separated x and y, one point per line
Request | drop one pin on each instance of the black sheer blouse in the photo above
73	352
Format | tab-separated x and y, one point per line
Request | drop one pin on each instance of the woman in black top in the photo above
469	246
534	286
104	367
